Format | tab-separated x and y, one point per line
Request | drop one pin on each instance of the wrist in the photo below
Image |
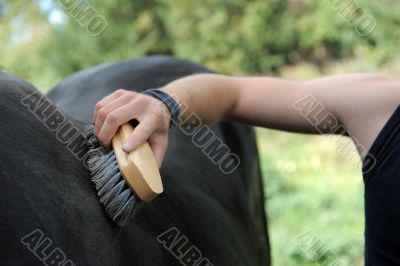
170	105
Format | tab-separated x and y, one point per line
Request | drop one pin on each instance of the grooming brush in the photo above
124	181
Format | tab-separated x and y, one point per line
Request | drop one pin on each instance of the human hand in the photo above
122	106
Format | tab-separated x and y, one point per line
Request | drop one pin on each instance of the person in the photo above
364	107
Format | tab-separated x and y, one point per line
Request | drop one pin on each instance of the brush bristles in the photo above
116	196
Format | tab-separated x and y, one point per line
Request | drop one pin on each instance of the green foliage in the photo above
312	190
239	36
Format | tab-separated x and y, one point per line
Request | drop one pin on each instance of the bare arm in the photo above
354	104
359	103
266	102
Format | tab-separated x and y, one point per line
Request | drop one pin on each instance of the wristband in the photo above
169	101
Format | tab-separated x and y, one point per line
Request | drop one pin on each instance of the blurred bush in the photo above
43	41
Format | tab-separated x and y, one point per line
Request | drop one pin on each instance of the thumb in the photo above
139	135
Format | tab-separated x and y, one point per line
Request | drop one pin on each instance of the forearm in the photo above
260	101
270	102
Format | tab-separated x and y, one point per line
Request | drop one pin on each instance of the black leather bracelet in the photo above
168	100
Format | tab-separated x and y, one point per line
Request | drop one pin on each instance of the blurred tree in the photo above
23	31
44	40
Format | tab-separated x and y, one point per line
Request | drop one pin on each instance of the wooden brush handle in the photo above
138	167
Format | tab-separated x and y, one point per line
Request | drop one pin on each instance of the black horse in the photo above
51	212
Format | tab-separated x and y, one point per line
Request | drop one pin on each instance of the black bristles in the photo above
116	196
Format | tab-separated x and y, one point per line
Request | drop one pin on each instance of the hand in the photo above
122	106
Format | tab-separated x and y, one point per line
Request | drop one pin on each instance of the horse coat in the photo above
50	210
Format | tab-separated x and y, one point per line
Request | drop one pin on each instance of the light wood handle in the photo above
138	167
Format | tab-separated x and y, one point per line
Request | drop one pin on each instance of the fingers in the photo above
110	109
104	102
141	133
115	118
122	106
158	141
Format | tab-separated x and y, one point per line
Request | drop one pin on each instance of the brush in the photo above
124	181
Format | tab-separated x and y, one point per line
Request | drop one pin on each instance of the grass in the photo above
314	200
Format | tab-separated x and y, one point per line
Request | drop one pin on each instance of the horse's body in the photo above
214	218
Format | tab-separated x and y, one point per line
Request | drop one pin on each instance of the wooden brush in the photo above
123	180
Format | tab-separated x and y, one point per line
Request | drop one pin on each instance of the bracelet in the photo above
169	101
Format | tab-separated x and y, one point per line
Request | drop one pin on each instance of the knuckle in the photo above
102	114
135	104
120	91
130	95
112	118
98	106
